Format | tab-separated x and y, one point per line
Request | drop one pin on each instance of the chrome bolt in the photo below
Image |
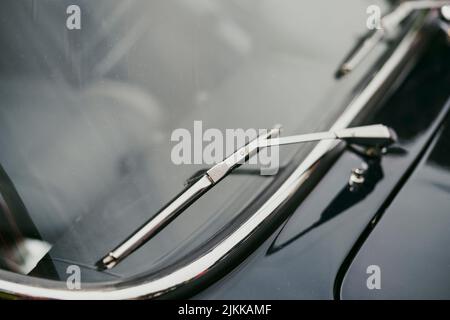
357	178
445	12
445	16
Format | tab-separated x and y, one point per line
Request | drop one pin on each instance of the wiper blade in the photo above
388	23
374	135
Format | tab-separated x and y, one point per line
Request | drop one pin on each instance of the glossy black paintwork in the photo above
410	243
309	255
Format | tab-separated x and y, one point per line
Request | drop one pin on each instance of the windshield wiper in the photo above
388	23
369	136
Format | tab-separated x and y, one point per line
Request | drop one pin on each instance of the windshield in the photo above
91	95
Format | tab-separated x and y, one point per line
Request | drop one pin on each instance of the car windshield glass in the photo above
92	93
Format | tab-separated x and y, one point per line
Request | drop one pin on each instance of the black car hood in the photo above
410	243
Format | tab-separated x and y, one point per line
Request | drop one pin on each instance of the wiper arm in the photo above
374	135
184	200
369	136
388	23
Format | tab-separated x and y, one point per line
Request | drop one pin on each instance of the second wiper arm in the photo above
374	135
389	22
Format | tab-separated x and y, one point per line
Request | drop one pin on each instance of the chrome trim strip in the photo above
157	287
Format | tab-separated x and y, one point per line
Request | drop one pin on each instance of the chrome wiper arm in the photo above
404	9
374	135
388	23
370	136
184	200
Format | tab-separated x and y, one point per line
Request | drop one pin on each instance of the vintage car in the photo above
93	204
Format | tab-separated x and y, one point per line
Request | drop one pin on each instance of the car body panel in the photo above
410	244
